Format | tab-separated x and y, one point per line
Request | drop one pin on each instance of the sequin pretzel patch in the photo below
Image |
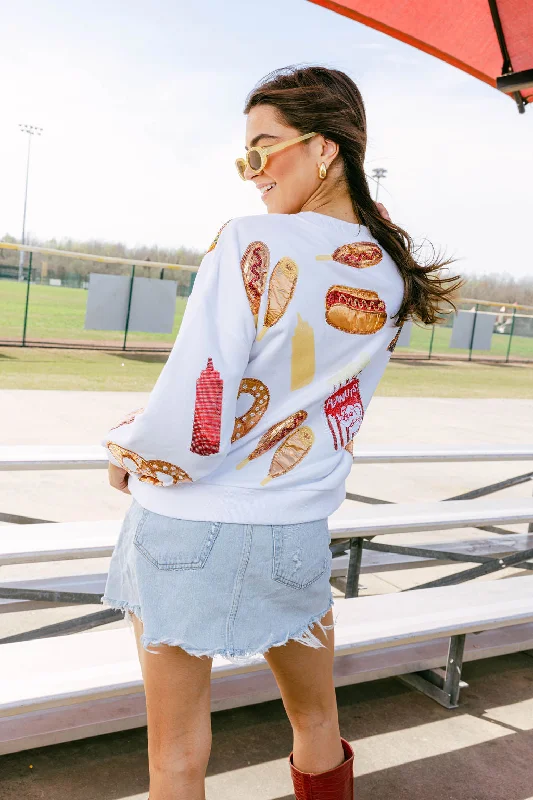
207	412
356	254
158	473
344	412
261	399
254	267
274	435
290	453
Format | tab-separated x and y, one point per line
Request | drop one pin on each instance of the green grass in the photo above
424	378
39	368
95	370
521	346
57	314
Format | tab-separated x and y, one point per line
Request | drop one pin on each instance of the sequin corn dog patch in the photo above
255	263
280	291
355	310
261	399
356	254
290	452
158	473
274	435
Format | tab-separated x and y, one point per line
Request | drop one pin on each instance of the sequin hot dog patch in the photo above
355	310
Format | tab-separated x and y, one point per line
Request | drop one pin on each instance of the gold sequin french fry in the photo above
303	355
290	453
254	267
274	435
261	399
280	291
357	254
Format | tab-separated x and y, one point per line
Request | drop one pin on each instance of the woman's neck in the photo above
340	207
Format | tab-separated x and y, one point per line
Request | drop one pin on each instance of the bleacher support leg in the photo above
442	685
354	567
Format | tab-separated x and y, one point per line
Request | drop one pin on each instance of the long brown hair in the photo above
328	101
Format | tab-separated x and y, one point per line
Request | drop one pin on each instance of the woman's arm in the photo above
185	430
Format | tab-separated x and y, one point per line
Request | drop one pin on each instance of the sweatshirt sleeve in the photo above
185	430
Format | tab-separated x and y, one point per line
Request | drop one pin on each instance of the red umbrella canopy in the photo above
490	39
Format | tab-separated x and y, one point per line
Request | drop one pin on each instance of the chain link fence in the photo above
44	310
47	309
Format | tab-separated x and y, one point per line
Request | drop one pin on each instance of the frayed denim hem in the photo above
304	635
123	605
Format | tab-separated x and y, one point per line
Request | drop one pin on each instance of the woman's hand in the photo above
118	478
383	211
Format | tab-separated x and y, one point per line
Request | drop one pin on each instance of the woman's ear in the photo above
330	148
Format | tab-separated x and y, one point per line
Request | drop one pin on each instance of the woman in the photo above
243	448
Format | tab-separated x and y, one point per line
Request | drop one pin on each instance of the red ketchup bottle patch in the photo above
344	412
207	412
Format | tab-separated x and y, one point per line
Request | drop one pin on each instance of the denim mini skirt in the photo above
221	588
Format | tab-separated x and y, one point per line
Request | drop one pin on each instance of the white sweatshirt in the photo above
284	339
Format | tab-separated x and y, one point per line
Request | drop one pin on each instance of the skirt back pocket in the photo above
301	552
173	544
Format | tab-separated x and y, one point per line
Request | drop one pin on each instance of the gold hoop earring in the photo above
322	172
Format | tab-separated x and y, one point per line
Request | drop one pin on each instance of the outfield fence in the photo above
47	308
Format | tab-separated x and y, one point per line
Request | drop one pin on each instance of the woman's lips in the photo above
264	194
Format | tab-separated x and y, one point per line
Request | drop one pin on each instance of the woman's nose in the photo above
249	173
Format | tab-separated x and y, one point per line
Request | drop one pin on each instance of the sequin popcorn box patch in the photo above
344	412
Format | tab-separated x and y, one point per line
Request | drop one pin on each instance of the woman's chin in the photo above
275	208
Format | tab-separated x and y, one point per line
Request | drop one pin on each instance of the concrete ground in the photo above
407	746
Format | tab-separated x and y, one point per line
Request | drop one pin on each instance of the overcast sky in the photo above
141	105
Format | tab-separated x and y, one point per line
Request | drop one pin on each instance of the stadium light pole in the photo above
379	173
31	130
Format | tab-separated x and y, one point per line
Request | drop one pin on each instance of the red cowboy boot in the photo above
335	784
